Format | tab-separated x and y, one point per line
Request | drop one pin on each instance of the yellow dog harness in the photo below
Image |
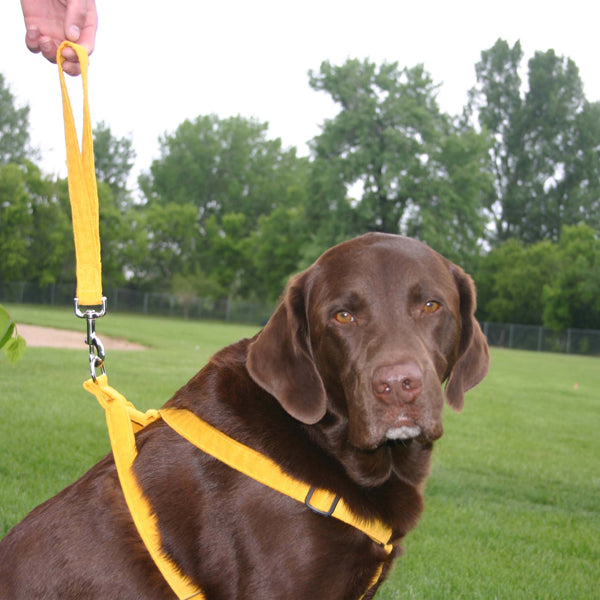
123	419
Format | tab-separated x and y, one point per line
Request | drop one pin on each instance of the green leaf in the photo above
15	348
7	326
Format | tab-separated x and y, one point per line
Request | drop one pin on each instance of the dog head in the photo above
367	336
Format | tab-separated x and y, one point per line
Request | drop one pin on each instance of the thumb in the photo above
75	17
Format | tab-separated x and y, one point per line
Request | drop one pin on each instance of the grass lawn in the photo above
512	505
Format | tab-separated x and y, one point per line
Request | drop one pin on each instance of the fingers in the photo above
36	42
71	67
32	39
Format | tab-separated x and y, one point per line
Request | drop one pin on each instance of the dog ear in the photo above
473	360
280	358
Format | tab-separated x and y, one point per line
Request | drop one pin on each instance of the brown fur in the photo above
317	395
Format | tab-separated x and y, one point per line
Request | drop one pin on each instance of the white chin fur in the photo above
403	433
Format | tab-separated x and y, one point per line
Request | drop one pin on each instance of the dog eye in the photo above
344	317
431	306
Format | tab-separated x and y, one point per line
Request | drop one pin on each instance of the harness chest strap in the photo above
262	469
123	420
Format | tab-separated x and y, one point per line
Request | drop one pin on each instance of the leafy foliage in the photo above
555	285
227	212
419	172
10	341
572	296
510	282
546	151
14	127
114	158
36	242
211	195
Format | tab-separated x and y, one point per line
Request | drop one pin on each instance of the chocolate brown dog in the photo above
342	388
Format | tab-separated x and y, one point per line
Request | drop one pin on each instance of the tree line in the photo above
510	189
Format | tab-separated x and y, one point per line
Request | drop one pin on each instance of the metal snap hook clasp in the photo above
97	355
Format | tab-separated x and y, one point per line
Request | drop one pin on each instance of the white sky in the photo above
158	63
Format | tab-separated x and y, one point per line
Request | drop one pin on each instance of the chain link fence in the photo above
542	339
155	303
506	335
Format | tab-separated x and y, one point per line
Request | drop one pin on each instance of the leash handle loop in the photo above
83	190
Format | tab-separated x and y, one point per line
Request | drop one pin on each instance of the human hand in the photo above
50	22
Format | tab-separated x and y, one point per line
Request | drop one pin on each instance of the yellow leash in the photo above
122	418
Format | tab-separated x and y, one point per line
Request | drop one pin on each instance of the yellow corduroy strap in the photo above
83	191
123	419
263	469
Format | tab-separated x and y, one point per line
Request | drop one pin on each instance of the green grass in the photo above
512	504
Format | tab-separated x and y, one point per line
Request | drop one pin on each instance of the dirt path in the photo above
61	338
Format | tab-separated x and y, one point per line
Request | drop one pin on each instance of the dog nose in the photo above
398	383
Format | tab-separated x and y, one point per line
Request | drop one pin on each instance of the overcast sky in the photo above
158	63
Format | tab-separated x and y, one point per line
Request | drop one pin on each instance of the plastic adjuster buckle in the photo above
324	513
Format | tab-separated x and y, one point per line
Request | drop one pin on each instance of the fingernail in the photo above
32	34
74	33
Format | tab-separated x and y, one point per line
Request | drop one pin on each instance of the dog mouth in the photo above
403	429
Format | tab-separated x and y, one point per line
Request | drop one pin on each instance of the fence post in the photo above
569	341
540	338
511	329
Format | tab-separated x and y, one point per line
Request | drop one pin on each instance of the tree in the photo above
510	281
555	284
275	248
546	150
206	195
37	242
15	223
14	127
169	246
51	252
416	170
572	297
223	166
114	158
